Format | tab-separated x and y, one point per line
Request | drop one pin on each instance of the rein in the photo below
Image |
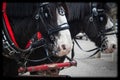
41	14
10	45
95	12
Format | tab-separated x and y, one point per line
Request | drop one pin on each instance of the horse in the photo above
38	33
92	19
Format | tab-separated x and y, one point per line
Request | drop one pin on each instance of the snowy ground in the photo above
92	67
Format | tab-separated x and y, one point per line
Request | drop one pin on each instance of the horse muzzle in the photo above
110	48
62	50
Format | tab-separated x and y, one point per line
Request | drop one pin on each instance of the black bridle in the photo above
95	12
22	54
42	14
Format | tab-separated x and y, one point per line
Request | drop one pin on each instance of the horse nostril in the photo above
63	46
58	49
114	46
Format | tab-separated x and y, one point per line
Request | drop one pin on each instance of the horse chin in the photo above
62	53
63	43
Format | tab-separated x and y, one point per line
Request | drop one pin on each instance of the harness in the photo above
11	48
42	14
110	31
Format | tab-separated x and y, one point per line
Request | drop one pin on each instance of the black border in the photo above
58	77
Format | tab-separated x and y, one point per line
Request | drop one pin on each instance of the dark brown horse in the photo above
33	34
91	18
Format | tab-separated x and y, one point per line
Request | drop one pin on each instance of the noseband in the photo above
42	15
14	51
95	12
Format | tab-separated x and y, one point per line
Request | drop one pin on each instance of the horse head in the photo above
104	24
92	19
50	20
57	27
43	26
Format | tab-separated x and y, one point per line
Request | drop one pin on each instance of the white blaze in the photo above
64	41
109	24
112	39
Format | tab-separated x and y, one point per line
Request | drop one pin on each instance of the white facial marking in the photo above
61	19
64	41
109	24
112	39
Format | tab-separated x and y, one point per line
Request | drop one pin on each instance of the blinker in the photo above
95	11
61	11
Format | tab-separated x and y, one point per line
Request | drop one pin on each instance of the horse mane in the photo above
78	18
21	18
76	10
20	10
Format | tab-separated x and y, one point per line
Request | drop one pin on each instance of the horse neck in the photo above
20	16
23	30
